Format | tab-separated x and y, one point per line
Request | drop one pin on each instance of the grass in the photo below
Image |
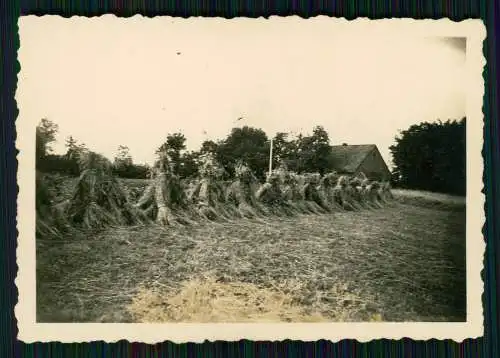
430	200
405	262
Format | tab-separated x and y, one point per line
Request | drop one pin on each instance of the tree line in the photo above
251	145
426	156
431	156
68	163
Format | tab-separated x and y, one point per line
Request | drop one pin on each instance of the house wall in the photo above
374	167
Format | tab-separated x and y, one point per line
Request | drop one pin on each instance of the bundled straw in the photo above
207	193
373	194
241	194
353	196
326	187
164	199
315	201
385	192
44	225
98	200
271	195
292	193
341	194
50	219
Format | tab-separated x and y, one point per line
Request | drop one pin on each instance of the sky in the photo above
110	81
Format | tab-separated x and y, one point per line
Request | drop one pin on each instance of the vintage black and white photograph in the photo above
216	171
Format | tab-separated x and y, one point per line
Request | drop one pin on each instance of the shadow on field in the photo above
405	262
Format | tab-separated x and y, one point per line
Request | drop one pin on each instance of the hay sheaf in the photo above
51	222
99	200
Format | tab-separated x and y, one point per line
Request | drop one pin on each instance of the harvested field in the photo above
430	200
405	262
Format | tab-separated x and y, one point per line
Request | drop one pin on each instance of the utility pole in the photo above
271	157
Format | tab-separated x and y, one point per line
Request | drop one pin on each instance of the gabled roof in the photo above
348	158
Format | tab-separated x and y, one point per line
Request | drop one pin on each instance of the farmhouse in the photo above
352	159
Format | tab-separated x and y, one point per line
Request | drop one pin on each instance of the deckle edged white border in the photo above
25	310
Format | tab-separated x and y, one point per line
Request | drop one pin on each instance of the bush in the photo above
133	171
58	164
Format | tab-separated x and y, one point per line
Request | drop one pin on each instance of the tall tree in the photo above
431	156
246	144
74	149
71	145
314	152
323	150
69	162
174	146
123	158
209	146
280	147
46	132
189	164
